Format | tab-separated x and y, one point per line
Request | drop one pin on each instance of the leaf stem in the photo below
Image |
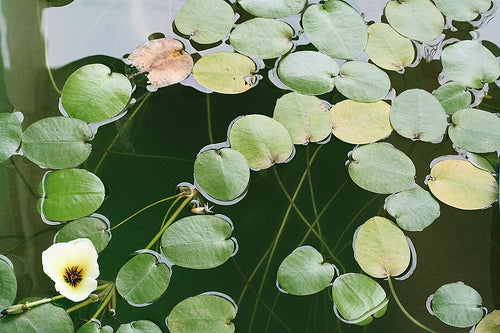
209	118
109	292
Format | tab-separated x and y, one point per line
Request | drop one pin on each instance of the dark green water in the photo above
173	126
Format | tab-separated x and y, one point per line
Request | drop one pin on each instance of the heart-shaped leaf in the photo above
91	227
10	135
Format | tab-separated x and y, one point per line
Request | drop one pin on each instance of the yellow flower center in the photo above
73	275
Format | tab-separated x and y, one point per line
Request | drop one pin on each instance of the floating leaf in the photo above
462	10
272	9
359	123
57	142
336	29
487	161
94	327
460	184
381	248
381	168
388	49
413	209
93	93
10	135
143	279
358	298
305	117
470	63
418	115
8	283
223	174
475	130
262	140
262	38
198	241
489	324
308	72
457	304
304	272
90	227
225	72
203	313
205	21
164	59
415	19
453	96
140	326
69	194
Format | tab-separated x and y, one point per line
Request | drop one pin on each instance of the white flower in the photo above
73	267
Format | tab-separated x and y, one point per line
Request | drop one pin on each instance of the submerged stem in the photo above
209	119
311	190
25	182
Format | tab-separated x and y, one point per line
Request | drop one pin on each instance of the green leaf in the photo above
57	142
69	194
8	283
143	279
388	49
453	96
203	313
381	168
10	135
262	38
308	72
487	161
415	19
458	305
381	248
489	324
262	140
475	130
93	93
413	209
462	10
362	82
199	241
418	115
336	29
360	123
94	327
222	174
358	298
460	184
140	326
225	72
91	227
272	9
470	63
205	21
304	272
305	117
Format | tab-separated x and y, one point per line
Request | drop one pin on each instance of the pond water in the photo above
155	150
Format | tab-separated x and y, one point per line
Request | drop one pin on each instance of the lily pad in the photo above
475	130
487	161
10	135
69	194
388	49
8	283
93	93
262	38
305	117
142	279
358	298
205	21
304	272
362	82
222	174
462	10
489	324
381	168
413	209
336	29
308	72
381	248
415	19
94	327
470	63
262	140
418	115
460	184
203	313
453	96
272	9
164	59
57	142
139	326
90	227
360	123
457	304
198	241
225	72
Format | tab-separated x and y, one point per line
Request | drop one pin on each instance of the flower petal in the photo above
78	293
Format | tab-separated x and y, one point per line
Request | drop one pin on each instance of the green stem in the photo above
142	155
209	119
311	190
22	307
109	295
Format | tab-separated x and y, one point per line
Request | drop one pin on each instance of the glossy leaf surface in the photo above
462	10
94	327
453	96
272	9
140	326
90	227
8	284
10	135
